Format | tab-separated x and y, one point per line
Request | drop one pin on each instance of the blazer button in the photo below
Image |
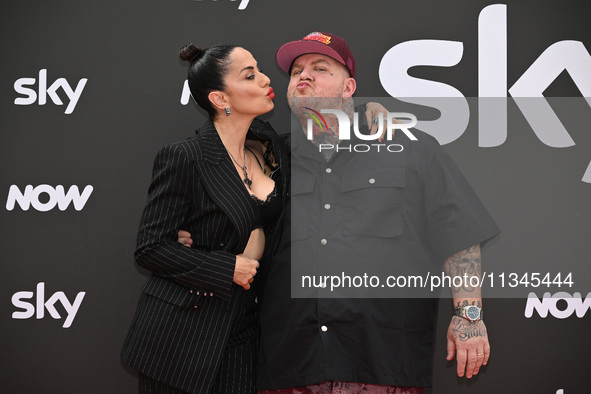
195	306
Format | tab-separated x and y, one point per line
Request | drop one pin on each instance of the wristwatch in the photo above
469	312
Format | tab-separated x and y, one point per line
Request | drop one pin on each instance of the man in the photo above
365	342
360	212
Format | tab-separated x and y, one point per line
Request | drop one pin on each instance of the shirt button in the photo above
324	328
372	180
328	170
323	241
326	206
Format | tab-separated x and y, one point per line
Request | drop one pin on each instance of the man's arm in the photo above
466	340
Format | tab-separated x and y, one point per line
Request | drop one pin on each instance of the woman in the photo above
195	329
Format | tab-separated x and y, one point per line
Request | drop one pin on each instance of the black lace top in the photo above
268	210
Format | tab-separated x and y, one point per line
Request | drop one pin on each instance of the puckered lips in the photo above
303	85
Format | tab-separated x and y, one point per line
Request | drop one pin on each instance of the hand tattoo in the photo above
463	329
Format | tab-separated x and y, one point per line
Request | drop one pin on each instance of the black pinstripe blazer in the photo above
190	307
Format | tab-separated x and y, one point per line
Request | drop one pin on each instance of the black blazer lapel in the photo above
223	185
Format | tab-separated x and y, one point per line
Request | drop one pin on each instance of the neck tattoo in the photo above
326	138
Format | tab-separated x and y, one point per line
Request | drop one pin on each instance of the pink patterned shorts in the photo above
346	388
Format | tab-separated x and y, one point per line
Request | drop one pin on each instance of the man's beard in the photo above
299	105
307	108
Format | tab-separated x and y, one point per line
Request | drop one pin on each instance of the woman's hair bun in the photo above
190	53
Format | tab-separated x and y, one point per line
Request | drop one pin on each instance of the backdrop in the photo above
90	90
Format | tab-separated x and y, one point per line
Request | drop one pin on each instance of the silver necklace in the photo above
246	179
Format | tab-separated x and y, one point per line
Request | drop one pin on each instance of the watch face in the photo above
472	313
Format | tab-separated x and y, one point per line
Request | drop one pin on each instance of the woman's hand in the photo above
245	270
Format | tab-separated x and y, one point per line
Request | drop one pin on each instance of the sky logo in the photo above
38	304
33	90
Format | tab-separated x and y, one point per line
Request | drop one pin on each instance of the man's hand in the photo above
468	342
185	238
245	270
372	113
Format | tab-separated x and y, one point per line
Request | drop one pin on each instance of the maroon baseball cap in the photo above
316	42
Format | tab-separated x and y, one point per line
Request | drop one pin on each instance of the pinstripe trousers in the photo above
236	373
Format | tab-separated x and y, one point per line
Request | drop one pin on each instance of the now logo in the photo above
24	86
57	196
549	304
38	308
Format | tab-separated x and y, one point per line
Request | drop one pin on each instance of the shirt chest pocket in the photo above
372	201
302	188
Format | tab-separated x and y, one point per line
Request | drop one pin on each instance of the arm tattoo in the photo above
466	303
466	262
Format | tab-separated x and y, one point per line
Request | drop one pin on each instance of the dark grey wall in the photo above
130	106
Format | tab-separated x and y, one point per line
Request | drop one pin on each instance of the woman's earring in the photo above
228	112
